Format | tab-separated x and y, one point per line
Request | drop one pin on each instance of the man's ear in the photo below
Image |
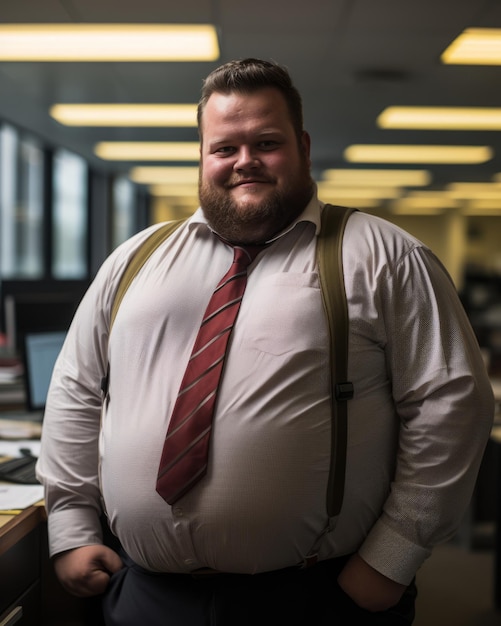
306	144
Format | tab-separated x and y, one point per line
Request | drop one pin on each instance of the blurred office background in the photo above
98	140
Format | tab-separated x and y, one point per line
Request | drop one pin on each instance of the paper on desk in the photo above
19	496
13	448
19	429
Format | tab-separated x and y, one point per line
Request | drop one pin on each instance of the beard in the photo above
254	222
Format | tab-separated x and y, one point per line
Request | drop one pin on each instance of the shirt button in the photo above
177	511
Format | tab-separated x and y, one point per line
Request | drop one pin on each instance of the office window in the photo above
70	216
124	210
21	205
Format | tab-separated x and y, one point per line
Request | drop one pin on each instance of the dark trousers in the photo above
290	597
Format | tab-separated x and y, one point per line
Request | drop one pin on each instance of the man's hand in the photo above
367	587
86	571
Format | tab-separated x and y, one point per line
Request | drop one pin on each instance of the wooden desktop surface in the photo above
30	590
14	527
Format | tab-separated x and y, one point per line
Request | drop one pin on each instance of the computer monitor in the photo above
40	352
35	306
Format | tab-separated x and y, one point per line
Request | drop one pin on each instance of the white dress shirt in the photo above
417	425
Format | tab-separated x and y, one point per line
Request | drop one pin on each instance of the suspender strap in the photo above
330	267
139	259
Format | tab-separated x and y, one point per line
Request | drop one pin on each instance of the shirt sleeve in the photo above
68	466
444	404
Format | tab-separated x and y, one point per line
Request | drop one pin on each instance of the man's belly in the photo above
261	505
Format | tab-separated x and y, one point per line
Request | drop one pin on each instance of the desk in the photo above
20	544
31	596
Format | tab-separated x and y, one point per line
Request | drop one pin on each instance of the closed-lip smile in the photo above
248	181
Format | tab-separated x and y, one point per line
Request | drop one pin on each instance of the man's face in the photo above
254	176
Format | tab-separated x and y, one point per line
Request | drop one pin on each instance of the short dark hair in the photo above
250	75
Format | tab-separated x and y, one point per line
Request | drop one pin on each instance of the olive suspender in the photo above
330	267
330	271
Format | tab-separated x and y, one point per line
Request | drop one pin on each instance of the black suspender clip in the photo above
344	391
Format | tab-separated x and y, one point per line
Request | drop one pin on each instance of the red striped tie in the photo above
184	456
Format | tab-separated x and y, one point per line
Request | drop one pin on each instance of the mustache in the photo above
235	181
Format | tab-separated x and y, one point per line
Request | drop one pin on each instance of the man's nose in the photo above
247	158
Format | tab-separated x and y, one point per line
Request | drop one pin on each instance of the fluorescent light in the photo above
108	42
432	193
332	192
467	197
360	203
401	207
431	201
178	200
482	207
160	175
125	114
474	191
441	118
475	46
417	154
148	150
472	187
174	190
412	178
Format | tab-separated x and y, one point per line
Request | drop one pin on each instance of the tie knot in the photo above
244	255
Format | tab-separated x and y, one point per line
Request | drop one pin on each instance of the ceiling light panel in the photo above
475	46
360	203
108	42
402	207
174	190
475	191
440	118
170	115
148	150
326	190
482	207
474	187
433	201
360	153
377	177
160	175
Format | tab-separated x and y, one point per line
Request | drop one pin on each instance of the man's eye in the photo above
225	150
268	145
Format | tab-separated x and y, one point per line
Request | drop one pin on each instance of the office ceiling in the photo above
349	58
